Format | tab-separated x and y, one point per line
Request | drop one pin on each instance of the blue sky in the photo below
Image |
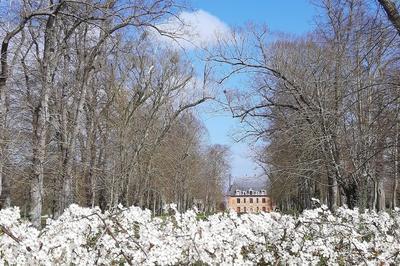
288	16
292	16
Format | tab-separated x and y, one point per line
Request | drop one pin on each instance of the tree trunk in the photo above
396	182
4	179
375	196
332	193
396	162
91	160
381	195
39	147
392	13
3	109
4	74
40	124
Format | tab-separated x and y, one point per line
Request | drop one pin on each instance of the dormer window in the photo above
250	192
263	192
237	192
244	193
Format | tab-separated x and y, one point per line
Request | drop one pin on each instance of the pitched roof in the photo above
246	184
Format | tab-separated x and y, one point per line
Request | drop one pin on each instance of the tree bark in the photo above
40	125
396	161
4	73
3	128
392	13
381	195
375	196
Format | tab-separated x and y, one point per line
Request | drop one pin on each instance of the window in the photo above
258	209
238	200
238	209
263	192
244	200
237	192
263	208
257	200
250	192
244	209
244	193
251	200
263	200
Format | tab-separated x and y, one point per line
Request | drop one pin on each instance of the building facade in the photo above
248	200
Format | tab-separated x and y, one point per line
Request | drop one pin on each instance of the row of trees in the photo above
326	106
94	111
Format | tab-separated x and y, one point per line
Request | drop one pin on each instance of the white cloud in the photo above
195	29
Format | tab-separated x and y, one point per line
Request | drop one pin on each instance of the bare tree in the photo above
324	97
93	99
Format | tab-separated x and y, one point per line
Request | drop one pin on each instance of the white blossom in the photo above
84	236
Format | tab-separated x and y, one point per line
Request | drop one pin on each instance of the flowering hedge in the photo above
84	236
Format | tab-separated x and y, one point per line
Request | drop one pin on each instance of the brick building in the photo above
247	199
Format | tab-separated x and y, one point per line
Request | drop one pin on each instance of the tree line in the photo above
93	110
324	106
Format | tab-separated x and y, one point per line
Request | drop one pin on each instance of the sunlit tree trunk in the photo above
40	125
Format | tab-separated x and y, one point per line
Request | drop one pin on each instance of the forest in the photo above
324	105
106	158
96	110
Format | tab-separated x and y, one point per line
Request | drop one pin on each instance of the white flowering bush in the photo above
84	236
